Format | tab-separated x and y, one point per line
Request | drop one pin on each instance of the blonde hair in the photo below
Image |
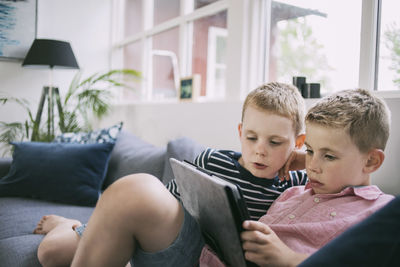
281	99
365	117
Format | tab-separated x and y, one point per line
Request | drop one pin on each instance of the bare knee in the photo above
136	191
133	181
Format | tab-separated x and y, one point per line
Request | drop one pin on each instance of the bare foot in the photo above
49	222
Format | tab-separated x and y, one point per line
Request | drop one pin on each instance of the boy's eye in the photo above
330	157
251	138
309	151
275	143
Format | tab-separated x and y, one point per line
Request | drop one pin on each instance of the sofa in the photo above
130	154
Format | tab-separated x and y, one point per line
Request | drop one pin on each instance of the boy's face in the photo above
333	161
267	140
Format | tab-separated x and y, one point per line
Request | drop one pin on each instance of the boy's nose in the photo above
261	150
312	164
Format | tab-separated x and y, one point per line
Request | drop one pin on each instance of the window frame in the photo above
248	37
185	24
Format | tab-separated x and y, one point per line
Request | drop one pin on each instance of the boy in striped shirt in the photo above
270	132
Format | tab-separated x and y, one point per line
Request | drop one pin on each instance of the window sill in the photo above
387	94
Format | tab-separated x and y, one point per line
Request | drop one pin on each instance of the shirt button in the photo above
292	216
333	213
316	200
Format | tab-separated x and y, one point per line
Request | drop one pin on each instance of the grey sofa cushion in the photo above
181	148
20	251
19	216
18	219
133	155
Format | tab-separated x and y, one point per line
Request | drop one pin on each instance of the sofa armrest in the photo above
5	164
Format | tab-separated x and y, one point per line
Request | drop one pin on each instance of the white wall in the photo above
388	176
212	124
85	24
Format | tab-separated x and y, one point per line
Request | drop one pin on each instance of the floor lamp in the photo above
50	54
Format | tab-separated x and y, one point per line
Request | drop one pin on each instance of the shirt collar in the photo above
368	192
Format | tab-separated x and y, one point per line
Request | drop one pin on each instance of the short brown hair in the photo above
281	99
365	117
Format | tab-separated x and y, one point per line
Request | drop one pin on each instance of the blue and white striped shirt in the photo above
259	193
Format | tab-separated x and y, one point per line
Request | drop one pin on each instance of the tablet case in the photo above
218	207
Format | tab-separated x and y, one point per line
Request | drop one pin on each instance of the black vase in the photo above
311	90
299	82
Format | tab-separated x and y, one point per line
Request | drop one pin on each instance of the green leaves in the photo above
84	99
300	53
11	131
392	42
92	96
16	131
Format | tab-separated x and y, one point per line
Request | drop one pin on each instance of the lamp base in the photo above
51	94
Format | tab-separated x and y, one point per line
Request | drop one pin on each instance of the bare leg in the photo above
59	245
135	210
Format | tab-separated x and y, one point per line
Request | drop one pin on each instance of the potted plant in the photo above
85	98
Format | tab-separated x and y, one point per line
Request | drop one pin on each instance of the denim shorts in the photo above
183	252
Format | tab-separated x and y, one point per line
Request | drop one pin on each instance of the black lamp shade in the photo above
51	53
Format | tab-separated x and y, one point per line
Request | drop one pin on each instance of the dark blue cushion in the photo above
60	172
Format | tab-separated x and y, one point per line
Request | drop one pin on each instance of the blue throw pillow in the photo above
66	173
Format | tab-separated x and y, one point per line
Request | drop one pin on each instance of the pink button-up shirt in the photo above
305	221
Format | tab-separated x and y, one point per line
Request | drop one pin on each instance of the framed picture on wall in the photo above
18	20
190	87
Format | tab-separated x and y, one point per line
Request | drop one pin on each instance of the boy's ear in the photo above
300	140
240	129
375	159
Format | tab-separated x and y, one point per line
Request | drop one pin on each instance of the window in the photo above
165	10
165	58
389	46
237	45
133	17
208	60
201	3
216	61
167	40
133	60
316	39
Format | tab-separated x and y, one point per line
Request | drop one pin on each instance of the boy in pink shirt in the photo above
346	134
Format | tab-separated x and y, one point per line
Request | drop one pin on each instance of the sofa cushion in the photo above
105	135
180	149
67	173
20	251
133	155
18	219
19	216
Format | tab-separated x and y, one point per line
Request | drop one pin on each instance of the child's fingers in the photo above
254	238
256	226
251	246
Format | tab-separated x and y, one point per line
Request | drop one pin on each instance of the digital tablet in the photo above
218	207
